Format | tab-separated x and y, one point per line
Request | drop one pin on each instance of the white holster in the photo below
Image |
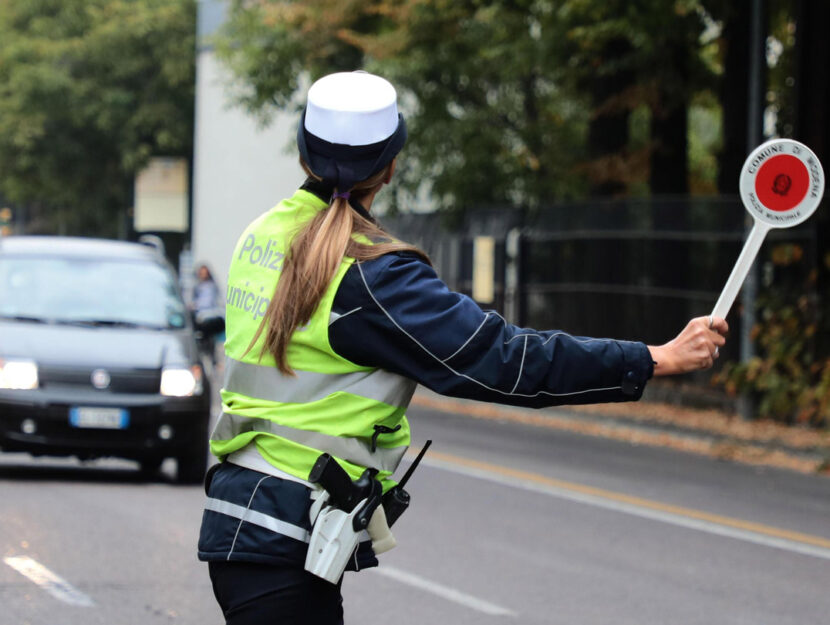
334	540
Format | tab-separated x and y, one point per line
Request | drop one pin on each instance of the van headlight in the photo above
181	382
18	374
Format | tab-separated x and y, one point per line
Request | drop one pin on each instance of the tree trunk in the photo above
813	128
668	176
608	127
734	95
670	127
669	157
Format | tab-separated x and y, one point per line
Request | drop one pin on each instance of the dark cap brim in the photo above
342	165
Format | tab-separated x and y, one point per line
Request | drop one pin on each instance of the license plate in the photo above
99	417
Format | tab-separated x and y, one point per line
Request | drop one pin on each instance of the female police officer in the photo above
331	323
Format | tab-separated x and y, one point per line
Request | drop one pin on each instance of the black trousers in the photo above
262	594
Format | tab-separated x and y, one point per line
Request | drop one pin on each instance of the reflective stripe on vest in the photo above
268	383
332	404
350	449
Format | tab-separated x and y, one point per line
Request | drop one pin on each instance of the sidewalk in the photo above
704	432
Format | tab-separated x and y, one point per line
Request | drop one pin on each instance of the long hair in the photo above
312	260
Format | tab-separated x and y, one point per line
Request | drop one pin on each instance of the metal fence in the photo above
635	269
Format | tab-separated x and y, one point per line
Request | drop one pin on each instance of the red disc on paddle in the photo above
782	182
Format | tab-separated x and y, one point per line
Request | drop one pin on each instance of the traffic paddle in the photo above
781	185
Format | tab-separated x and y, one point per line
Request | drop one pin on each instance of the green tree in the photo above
479	83
89	90
510	102
646	55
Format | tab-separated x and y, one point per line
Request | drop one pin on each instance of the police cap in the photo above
350	128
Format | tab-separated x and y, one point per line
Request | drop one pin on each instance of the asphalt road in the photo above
509	524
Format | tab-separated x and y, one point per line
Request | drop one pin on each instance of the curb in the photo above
702	432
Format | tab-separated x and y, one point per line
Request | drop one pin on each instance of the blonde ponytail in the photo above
311	262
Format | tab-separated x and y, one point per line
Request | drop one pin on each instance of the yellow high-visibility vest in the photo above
332	405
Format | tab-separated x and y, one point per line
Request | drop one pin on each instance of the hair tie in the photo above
344	194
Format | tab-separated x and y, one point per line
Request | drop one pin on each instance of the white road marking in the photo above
730	528
56	586
445	592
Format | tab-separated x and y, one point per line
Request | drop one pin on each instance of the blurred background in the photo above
571	163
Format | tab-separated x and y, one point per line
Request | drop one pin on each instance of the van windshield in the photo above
95	292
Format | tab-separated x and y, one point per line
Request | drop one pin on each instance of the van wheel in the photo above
191	464
149	467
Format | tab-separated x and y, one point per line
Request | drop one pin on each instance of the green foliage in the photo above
496	120
89	90
791	382
705	132
495	91
782	59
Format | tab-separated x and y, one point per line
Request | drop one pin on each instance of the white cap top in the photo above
352	108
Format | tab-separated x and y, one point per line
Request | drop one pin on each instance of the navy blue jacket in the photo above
396	314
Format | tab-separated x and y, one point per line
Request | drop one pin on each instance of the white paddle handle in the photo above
741	268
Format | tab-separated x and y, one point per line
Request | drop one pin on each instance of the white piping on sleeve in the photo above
493	312
521	367
333	316
551	337
456	352
462	375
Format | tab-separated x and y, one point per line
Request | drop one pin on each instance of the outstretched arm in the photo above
394	313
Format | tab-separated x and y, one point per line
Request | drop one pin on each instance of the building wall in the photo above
240	168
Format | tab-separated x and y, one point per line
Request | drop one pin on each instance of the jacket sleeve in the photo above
395	313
